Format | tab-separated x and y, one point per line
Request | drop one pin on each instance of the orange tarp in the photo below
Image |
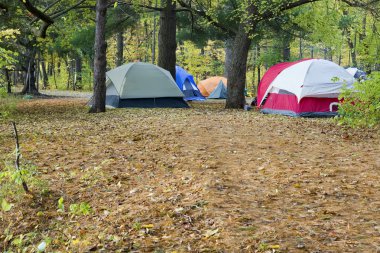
208	85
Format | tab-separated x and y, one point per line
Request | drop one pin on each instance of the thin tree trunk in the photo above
44	74
351	46
254	63
73	73
8	80
258	65
286	50
119	48
167	38
68	68
300	47
100	59
51	65
54	75
37	63
59	66
15	76
78	71
154	37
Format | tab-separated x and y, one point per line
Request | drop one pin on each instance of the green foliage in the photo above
7	56
61	205
5	206
201	64
80	209
7	104
10	180
361	106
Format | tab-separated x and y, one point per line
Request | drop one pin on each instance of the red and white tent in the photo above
308	87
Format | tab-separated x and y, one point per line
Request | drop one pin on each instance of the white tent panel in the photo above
292	78
312	78
352	71
325	79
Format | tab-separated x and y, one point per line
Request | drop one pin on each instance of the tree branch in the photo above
63	12
3	7
36	12
46	9
139	5
203	14
285	6
17	162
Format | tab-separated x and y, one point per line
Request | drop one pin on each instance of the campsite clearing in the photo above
192	180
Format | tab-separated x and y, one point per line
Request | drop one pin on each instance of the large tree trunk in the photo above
229	44
167	37
100	60
237	72
119	48
30	82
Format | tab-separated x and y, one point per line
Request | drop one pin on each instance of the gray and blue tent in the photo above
357	73
143	85
186	84
219	92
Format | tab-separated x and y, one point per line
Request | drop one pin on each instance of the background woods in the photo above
50	44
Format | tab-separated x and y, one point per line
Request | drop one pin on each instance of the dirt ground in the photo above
192	180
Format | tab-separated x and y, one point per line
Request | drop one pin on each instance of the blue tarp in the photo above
187	85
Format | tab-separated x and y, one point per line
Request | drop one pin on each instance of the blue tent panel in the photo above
219	92
187	85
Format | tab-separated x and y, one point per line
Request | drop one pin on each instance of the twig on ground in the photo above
17	162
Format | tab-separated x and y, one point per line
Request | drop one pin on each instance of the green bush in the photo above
7	104
361	106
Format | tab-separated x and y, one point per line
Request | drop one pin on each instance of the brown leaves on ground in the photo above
195	180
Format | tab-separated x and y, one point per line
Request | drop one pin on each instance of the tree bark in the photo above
30	82
351	46
238	70
154	36
8	79
119	48
167	43
44	74
100	60
258	65
300	47
229	44
78	71
286	50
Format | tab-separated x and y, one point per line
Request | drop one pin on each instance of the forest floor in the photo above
189	180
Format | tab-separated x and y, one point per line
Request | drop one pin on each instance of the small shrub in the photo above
61	205
11	180
7	104
361	105
80	209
